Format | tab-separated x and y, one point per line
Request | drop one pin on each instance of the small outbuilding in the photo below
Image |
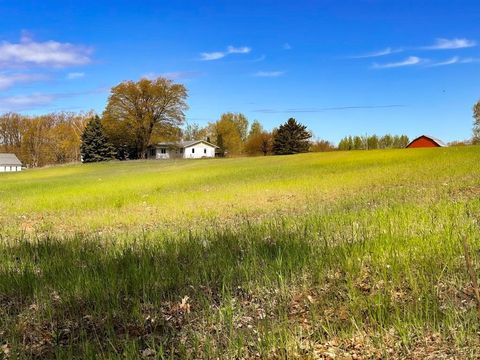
10	163
425	141
195	149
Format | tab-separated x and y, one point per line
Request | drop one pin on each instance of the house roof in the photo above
185	144
434	139
9	160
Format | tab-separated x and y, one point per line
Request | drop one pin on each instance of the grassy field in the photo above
345	254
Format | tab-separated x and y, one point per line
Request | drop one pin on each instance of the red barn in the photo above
425	141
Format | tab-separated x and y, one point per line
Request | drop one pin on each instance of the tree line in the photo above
372	142
146	112
43	140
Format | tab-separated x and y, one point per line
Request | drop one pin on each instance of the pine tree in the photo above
95	146
291	138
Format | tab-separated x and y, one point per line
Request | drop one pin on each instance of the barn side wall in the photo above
423	143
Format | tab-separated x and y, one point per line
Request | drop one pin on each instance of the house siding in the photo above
200	150
10	168
195	151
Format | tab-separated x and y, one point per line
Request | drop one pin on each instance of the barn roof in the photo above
434	139
9	160
185	144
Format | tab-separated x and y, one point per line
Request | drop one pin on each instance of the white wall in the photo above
201	150
8	168
159	154
169	154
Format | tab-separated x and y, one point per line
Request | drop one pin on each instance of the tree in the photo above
220	144
321	146
12	128
346	143
386	141
358	143
291	138
65	135
259	143
233	129
476	123
240	121
255	129
400	142
95	146
194	132
37	141
372	142
135	110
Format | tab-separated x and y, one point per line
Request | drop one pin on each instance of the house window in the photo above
163	151
205	150
181	150
152	152
193	150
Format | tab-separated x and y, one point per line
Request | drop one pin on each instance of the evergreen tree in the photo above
291	138
358	143
95	146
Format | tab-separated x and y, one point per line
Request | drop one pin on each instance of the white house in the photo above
9	163
195	149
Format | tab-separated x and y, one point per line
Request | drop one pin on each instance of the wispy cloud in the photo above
181	75
259	59
40	100
269	73
410	61
8	80
384	52
448	44
174	75
287	46
75	75
212	55
454	60
25	102
322	109
239	50
48	53
216	55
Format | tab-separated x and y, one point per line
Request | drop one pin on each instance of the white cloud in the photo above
208	56
447	44
269	73
8	80
75	75
23	102
454	60
48	53
212	56
384	52
239	50
287	46
411	60
174	75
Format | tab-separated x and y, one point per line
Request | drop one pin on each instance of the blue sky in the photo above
340	67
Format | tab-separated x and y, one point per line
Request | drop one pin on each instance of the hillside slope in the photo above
142	195
327	255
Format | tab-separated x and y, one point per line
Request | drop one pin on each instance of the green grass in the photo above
282	257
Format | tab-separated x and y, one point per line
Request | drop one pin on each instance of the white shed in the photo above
9	163
195	149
